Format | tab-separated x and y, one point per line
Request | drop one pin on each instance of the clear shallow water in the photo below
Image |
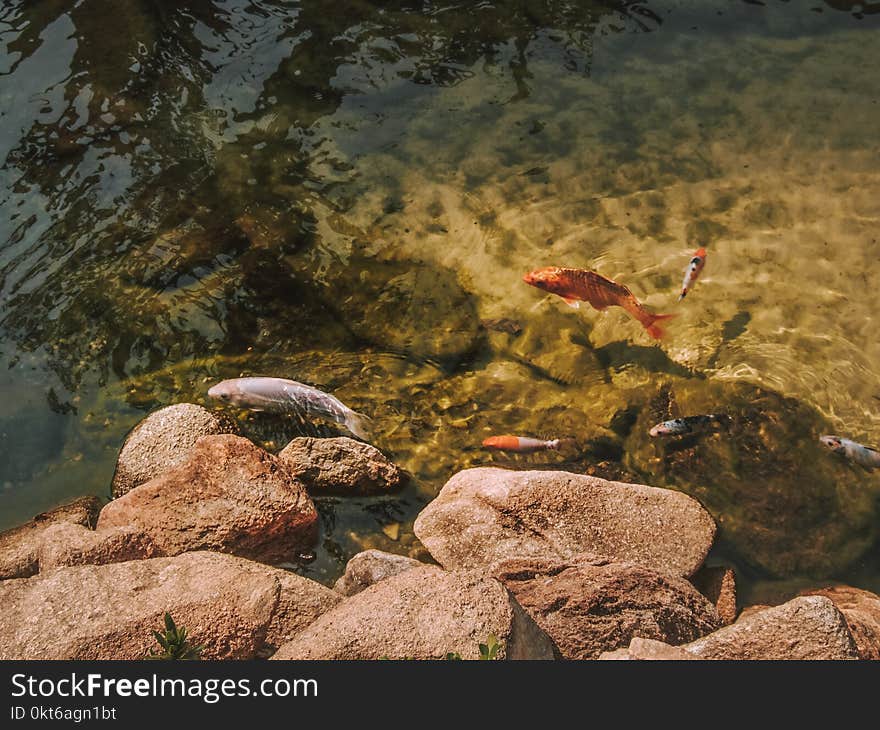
343	198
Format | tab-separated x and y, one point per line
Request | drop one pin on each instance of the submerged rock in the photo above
556	345
482	516
405	306
804	628
718	584
235	608
20	547
369	567
163	440
781	500
229	495
861	609
340	466
181	250
588	604
423	613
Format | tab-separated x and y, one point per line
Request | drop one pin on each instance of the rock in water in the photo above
412	307
423	613
588	604
20	547
369	567
340	466
861	609
804	628
556	344
485	515
765	476
163	440
236	608
230	496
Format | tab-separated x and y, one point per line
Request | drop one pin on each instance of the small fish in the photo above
520	444
862	455
277	395
692	272
686	425
588	286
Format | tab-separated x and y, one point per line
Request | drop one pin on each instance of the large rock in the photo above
861	609
423	613
236	608
588	604
67	544
809	627
744	475
486	515
300	602
162	441
20	547
340	466
229	495
371	566
718	584
648	650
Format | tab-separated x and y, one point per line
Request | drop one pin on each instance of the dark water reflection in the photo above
196	190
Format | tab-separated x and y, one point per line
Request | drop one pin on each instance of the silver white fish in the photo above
862	455
278	395
686	425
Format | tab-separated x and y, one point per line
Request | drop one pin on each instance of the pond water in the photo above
348	194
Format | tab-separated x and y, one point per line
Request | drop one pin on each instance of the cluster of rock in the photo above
553	564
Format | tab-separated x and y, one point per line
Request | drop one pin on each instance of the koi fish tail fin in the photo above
653	328
358	424
684	293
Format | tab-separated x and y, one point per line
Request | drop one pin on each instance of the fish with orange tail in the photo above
521	444
692	272
581	285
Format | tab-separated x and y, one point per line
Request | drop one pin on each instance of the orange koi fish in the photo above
692	272
521	444
588	286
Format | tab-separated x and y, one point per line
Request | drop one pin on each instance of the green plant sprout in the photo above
174	643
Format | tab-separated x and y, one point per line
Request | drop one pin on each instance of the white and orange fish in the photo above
692	272
575	285
521	444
